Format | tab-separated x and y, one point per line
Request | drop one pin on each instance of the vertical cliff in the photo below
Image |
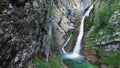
36	28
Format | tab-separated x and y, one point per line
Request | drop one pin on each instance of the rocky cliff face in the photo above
28	27
66	16
25	32
38	28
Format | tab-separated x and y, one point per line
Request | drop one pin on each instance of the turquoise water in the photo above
76	62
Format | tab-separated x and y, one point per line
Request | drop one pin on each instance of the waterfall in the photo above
63	48
77	48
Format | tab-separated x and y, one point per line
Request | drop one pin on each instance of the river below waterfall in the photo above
74	59
78	62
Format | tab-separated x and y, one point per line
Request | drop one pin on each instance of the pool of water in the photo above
77	62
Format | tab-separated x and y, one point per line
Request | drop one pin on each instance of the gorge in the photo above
75	54
59	34
78	45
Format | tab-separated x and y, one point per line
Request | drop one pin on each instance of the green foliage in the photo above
100	51
84	65
101	22
89	21
40	63
52	41
77	63
112	61
48	7
104	14
54	62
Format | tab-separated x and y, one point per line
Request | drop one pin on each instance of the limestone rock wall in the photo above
27	26
66	15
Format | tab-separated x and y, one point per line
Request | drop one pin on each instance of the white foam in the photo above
73	56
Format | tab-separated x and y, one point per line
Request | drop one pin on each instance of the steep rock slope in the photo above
28	28
103	38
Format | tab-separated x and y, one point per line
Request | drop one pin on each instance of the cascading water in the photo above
77	48
63	50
